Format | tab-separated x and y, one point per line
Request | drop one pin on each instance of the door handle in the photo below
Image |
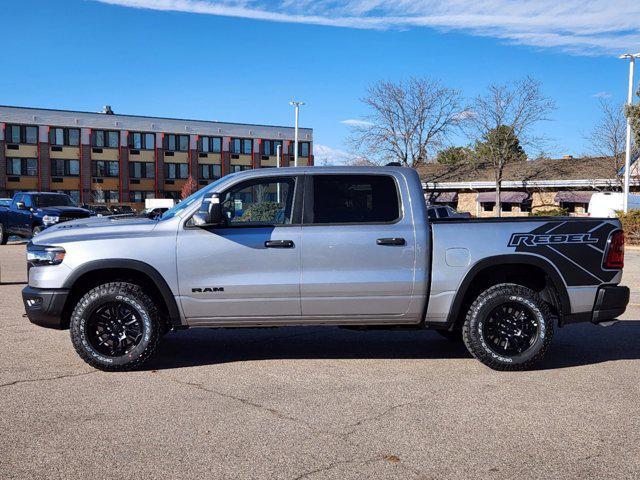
279	244
391	241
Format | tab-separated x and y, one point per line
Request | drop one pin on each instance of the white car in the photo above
605	204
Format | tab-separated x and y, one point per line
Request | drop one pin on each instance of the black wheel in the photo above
35	231
4	236
115	326
451	335
508	327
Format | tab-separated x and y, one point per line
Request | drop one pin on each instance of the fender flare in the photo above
129	264
546	266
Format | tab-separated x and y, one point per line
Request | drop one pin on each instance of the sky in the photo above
244	60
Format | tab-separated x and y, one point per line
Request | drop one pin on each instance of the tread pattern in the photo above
96	294
471	335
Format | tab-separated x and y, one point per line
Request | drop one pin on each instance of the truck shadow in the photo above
575	345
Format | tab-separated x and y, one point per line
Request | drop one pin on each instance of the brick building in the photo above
528	186
109	158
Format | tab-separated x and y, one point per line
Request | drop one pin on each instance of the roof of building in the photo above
531	170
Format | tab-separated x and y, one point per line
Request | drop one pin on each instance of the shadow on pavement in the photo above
574	345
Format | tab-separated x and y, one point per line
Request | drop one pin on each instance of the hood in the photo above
94	228
60	211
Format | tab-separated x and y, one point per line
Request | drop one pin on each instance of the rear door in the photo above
358	246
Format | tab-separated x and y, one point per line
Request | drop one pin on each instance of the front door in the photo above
358	249
250	267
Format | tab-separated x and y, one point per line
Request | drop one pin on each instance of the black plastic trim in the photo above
546	266
48	310
126	263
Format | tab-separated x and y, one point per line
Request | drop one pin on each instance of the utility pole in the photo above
296	106
627	159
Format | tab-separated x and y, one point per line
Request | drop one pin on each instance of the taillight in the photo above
615	253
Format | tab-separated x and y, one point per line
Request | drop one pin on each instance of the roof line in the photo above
152	117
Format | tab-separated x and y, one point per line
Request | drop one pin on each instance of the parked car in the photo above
346	246
31	212
606	204
444	211
153	212
122	210
5	202
100	210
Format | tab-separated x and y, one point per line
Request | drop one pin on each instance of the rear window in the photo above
354	199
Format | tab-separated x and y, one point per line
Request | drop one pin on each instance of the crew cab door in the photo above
358	247
250	267
20	219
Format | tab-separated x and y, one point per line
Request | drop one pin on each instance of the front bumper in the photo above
44	306
611	302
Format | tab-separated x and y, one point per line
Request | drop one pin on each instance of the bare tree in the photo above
608	137
408	121
505	113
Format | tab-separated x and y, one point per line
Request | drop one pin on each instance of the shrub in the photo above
553	212
631	226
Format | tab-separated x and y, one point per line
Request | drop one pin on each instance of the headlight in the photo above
38	255
50	219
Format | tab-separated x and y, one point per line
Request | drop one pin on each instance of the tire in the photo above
4	236
35	231
100	327
451	335
508	327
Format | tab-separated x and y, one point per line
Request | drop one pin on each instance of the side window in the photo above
27	201
266	201
354	199
17	198
431	213
442	212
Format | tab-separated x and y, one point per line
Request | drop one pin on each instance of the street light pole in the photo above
296	106
627	158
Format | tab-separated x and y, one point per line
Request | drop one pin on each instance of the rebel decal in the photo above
575	247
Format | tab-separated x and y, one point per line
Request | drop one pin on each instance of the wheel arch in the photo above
504	264
100	271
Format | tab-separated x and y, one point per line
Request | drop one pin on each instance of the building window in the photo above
239	168
22	166
105	196
22	134
69	137
103	168
525	206
506	207
270	147
176	171
142	141
303	149
210	172
142	170
487	206
140	197
65	168
105	138
176	143
210	144
243	146
74	194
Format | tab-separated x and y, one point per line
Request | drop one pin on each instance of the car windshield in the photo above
41	201
195	197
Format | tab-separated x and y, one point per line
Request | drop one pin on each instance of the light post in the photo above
296	106
627	159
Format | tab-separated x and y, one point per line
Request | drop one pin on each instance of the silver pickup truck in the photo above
345	246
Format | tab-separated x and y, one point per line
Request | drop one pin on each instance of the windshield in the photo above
191	199
41	201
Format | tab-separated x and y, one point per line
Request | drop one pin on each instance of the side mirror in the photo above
21	206
210	212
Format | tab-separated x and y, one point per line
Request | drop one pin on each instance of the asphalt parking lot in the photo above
317	403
